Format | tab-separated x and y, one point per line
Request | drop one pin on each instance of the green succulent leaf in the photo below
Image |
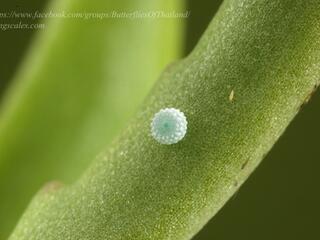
80	83
254	67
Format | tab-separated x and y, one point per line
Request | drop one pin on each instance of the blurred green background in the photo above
280	200
13	44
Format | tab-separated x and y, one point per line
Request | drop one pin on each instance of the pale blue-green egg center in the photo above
166	125
169	126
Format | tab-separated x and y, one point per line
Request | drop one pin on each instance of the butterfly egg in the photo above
169	126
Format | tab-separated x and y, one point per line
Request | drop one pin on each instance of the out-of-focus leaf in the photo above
82	80
201	15
14	43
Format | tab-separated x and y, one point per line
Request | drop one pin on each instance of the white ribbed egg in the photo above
169	126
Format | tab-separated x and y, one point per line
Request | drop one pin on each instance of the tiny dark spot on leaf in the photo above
235	183
244	164
308	97
235	194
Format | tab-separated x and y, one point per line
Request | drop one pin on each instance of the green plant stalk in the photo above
268	54
81	82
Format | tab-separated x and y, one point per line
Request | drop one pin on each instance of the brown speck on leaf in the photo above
51	186
170	66
231	96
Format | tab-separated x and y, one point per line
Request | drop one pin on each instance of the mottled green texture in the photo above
81	81
268	53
